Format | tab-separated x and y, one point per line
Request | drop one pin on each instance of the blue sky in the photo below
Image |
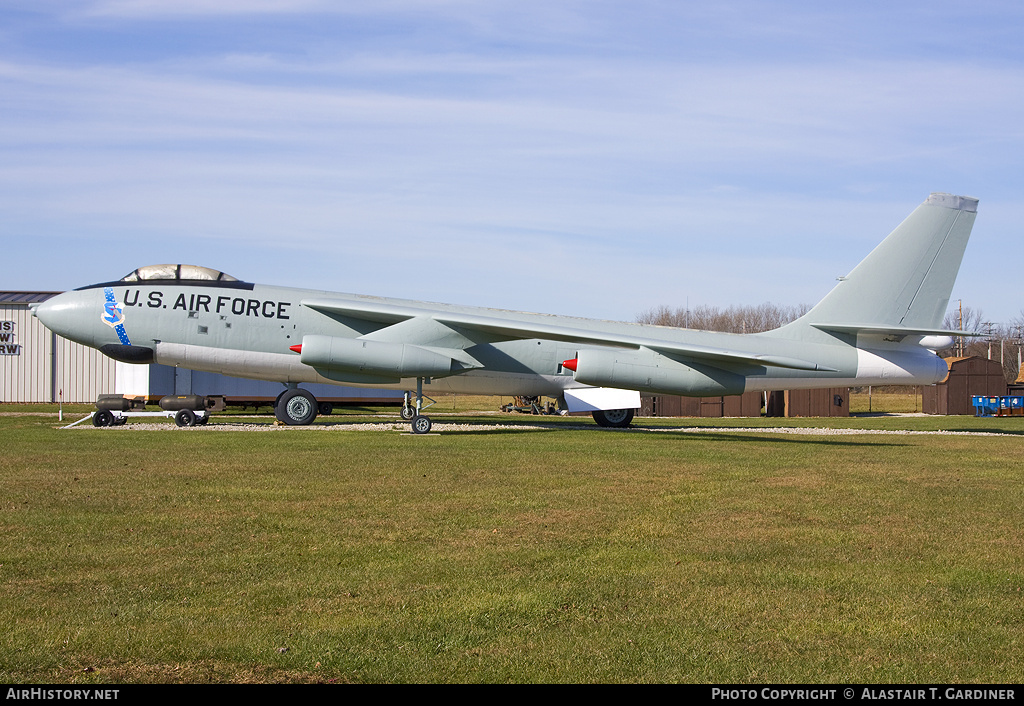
587	158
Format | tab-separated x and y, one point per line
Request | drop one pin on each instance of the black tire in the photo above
408	413
296	407
618	418
103	418
185	418
421	424
325	408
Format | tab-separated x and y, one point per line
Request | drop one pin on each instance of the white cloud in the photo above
695	174
138	9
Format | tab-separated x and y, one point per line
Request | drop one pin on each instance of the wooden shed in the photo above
822	402
967	377
827	402
1017	386
746	405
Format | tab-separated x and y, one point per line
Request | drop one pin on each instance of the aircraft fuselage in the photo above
247	330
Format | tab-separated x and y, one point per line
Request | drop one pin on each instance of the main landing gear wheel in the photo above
421	424
619	418
296	407
185	418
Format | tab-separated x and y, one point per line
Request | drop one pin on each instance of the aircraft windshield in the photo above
177	272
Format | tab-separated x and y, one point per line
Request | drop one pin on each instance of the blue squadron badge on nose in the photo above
113	316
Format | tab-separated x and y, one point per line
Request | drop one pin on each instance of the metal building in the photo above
38	365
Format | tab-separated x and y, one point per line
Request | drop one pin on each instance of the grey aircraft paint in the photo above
877	326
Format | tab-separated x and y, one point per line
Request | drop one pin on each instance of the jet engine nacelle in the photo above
373	360
651	371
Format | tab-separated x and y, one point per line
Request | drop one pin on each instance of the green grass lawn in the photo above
564	554
907	400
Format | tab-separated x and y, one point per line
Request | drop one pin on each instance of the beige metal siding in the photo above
82	373
47	364
26	376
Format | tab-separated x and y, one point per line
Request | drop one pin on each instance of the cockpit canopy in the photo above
177	272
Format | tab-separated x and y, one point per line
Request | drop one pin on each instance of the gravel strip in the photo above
441	427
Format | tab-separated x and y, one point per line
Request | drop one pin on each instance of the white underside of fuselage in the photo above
286	368
896	366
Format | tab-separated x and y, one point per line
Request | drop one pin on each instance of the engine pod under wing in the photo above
377	359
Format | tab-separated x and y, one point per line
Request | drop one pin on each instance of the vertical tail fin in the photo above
905	283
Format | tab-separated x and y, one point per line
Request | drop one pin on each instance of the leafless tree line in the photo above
734	319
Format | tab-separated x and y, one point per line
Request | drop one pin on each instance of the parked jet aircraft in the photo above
879	325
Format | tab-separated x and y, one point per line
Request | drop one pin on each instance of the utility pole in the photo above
960	327
1019	342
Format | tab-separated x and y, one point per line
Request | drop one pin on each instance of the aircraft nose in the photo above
65	315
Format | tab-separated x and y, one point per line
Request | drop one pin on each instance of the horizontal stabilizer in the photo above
877	330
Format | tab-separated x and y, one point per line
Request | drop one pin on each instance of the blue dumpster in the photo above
1005	406
1011	405
985	406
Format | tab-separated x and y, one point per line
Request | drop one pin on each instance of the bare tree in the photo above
964	318
999	341
1013	348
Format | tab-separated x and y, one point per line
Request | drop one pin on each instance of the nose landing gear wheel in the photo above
420	424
